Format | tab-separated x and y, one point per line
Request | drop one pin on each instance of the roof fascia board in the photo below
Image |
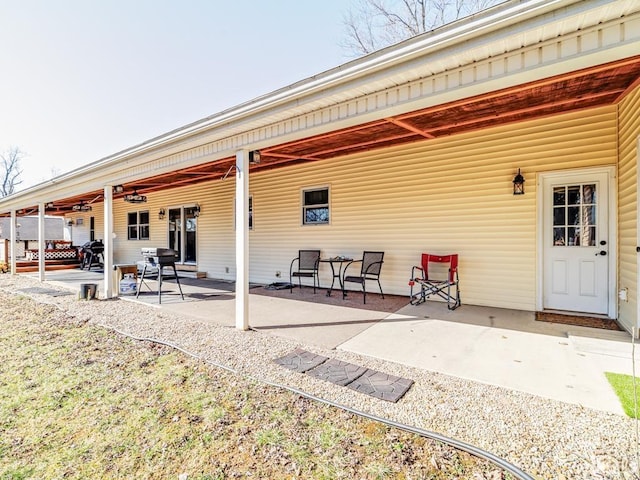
460	34
493	19
464	30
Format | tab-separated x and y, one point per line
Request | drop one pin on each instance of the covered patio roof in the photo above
591	87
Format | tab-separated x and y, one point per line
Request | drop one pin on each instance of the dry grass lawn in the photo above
79	402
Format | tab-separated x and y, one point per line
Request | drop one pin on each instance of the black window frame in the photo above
137	227
316	207
250	212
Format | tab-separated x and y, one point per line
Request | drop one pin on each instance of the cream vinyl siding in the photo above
627	204
128	251
445	196
451	195
215	235
80	234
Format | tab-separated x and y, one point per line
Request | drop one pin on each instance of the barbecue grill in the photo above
92	254
155	260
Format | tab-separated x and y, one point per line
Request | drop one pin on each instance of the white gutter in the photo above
500	17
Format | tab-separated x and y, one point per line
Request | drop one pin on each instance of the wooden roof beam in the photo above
521	88
511	113
362	144
285	156
335	133
628	90
411	128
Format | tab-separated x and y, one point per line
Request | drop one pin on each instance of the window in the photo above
138	225
315	206
250	213
574	215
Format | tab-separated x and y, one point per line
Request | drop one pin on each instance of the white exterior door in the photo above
577	242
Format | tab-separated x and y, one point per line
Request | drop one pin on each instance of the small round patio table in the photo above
336	264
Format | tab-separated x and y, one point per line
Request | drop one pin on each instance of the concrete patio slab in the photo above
314	324
503	348
507	348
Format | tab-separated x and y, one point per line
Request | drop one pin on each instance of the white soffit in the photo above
509	27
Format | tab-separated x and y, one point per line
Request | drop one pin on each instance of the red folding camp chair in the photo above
424	285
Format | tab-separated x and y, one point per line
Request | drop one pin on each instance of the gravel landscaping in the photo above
545	438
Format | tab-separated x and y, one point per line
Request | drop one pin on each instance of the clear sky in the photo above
83	79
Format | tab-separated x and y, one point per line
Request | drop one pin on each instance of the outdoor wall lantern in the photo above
161	214
69	223
254	157
118	188
135	197
196	211
518	184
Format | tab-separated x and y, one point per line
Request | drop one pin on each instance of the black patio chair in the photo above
371	265
307	266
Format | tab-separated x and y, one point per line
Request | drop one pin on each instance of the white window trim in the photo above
303	206
611	171
138	225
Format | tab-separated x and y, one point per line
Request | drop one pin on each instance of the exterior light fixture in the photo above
518	184
49	205
196	211
81	207
135	197
254	157
161	214
70	222
118	188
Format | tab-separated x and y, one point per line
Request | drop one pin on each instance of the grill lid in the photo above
158	252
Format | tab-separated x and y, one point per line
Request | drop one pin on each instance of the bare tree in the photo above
374	24
10	170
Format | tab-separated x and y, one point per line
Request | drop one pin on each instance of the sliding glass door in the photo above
183	223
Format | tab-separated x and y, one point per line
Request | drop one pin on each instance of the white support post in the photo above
107	288
242	240
13	241
41	242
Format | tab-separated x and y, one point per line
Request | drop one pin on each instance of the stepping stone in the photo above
337	371
300	360
381	385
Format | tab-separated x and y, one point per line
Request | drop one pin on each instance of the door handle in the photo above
601	252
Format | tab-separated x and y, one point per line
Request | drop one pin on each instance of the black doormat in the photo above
578	320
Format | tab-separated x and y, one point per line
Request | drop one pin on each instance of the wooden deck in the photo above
24	266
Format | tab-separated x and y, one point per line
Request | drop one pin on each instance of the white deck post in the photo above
12	241
41	242
107	240
242	240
